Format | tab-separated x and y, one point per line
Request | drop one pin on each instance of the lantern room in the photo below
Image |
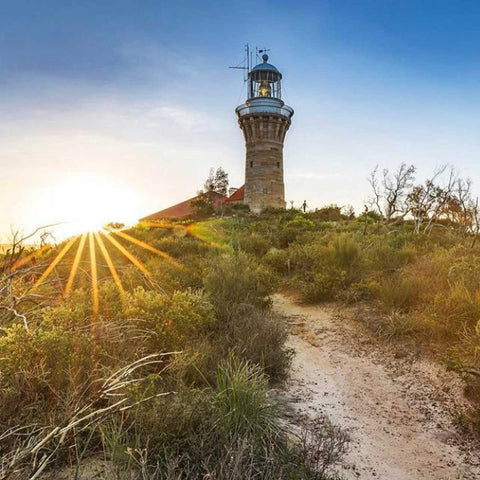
264	80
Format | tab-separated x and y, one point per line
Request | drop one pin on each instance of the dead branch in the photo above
43	443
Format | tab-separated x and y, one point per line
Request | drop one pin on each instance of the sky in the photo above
112	110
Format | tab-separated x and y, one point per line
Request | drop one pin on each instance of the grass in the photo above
424	286
210	302
170	379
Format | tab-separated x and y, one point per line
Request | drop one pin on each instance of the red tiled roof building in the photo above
185	209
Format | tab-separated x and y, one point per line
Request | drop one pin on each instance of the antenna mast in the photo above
246	65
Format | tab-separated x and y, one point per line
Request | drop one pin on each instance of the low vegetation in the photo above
171	375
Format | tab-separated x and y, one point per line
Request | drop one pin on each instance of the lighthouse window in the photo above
278	164
251	164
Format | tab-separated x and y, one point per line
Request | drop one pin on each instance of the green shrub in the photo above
325	285
346	252
171	322
383	257
293	229
331	213
237	280
258	337
398	293
254	243
396	325
41	370
242	400
278	260
457	308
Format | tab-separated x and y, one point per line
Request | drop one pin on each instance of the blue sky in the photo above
129	103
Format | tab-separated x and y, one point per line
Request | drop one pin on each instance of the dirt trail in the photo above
398	410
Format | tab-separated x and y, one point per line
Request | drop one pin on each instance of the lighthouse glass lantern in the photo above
264	80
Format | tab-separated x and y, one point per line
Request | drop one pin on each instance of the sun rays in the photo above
146	246
93	273
111	266
76	263
95	252
55	262
127	254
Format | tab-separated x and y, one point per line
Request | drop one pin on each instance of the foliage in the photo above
203	205
236	281
217	181
101	379
208	296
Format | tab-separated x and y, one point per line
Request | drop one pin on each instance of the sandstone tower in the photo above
264	119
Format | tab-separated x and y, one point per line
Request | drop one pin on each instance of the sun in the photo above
85	202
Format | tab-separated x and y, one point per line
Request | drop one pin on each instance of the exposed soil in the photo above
400	410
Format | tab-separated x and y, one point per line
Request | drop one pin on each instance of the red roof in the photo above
182	209
237	196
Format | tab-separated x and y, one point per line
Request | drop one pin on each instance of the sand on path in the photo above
399	412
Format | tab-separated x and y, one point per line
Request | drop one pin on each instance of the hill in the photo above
156	349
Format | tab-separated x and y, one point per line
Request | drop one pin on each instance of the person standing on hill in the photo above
304	206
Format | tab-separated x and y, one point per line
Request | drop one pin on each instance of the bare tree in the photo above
461	208
17	268
391	190
422	198
476	222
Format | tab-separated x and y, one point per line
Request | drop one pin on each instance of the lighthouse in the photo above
264	119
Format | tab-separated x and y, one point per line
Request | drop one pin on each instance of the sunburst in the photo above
94	273
100	247
111	266
76	263
55	262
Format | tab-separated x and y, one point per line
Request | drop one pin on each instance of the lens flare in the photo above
93	271
76	263
97	239
146	246
111	266
125	252
54	263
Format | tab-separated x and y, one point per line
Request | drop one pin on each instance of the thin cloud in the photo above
314	176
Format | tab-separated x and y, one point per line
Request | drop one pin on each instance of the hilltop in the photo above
166	367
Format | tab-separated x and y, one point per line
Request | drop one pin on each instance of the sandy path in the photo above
398	411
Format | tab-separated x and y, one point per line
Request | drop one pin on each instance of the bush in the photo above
324	285
397	293
172	323
345	252
331	213
457	308
278	260
293	229
260	338
254	243
243	405
237	280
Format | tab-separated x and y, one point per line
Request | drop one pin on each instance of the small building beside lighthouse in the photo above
264	119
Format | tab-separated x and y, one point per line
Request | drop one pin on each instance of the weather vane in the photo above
247	63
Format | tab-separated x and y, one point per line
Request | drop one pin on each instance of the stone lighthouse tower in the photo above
264	119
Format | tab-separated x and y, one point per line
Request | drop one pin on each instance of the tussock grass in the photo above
74	387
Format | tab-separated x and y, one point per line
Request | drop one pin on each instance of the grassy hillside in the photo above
171	376
422	289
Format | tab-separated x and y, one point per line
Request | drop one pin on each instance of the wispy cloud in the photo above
314	176
157	57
